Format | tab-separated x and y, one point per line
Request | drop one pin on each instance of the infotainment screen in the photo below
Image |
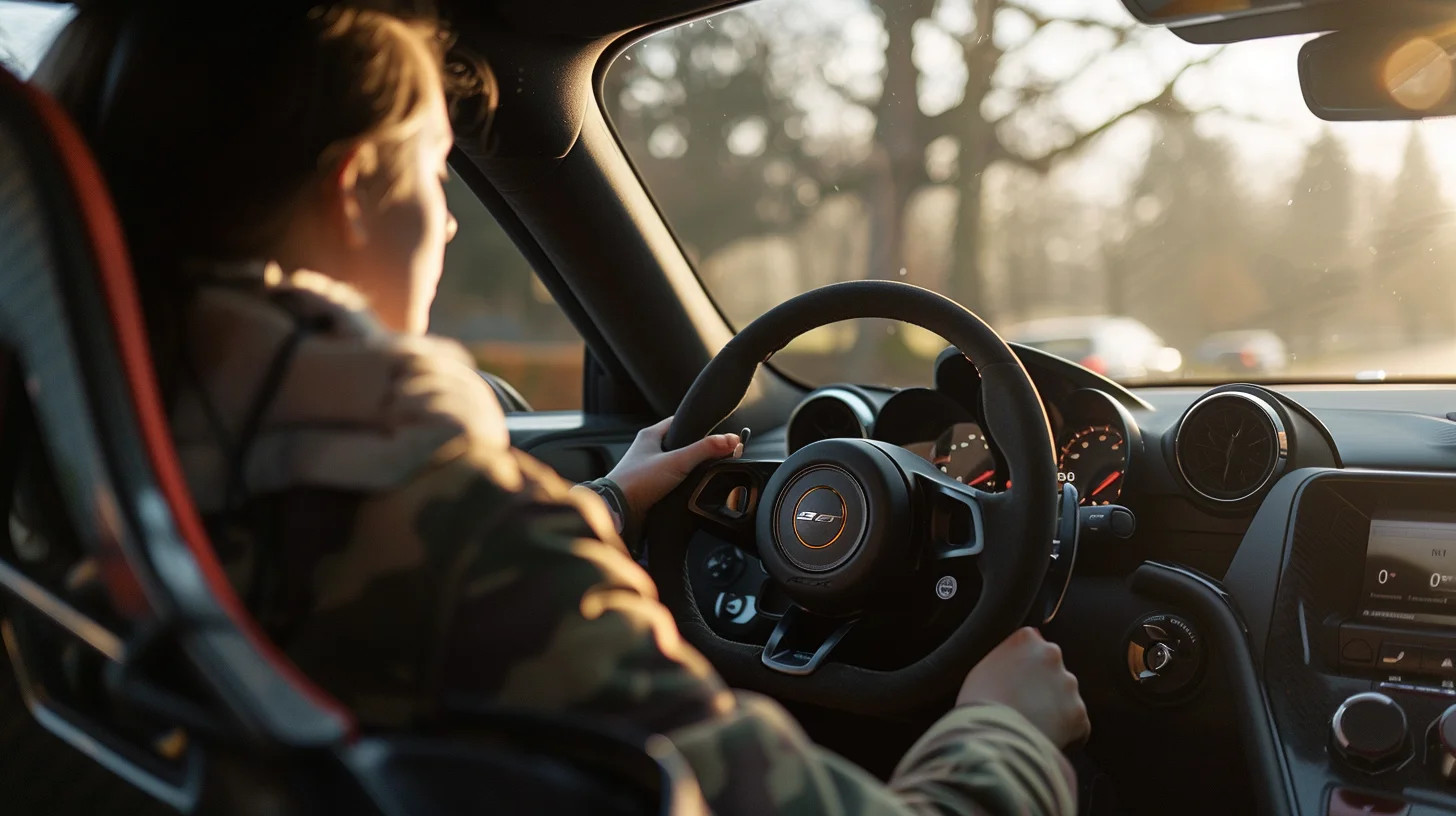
1410	571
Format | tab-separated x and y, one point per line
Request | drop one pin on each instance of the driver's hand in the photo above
1026	673
647	472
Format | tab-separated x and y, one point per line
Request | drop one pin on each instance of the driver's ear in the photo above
344	194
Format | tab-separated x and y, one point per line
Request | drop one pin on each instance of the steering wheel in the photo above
843	521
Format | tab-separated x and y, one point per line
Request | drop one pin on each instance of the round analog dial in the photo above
1094	460
964	452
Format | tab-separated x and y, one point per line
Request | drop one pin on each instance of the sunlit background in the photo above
1155	210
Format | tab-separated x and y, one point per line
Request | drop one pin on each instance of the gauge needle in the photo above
983	477
1106	483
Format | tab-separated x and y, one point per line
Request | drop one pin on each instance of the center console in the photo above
1360	660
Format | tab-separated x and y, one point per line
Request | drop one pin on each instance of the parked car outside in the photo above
1117	347
1257	352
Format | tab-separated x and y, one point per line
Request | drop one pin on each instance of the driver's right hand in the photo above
1025	673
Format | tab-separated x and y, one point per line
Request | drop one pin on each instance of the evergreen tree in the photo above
1315	274
1185	268
1416	249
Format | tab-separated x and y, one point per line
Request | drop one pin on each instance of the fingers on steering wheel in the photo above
656	430
708	448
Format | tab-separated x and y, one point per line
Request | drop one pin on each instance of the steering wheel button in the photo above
723	565
946	587
734	608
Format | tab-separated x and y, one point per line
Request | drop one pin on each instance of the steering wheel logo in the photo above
819	518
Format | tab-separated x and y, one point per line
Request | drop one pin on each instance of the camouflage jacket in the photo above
431	562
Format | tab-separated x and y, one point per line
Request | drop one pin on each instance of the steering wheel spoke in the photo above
727	492
802	641
955	523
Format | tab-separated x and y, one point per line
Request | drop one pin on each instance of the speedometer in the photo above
964	453
1094	460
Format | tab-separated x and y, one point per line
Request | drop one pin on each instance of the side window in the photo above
27	30
491	300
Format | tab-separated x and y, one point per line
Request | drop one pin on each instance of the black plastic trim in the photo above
510	223
772	653
83	627
1213	607
90	741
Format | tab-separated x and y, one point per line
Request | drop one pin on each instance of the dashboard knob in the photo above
1443	740
1369	731
1158	656
1164	656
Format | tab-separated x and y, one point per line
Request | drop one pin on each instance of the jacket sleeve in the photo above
533	601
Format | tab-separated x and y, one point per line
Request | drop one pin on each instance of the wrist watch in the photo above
616	501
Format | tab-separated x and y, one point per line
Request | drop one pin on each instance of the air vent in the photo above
1230	446
832	413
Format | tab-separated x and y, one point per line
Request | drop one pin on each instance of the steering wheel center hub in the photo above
821	516
825	534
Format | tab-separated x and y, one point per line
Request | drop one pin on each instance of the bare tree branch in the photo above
1165	99
1242	116
1040	20
1030	93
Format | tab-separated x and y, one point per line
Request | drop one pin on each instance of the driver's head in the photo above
316	137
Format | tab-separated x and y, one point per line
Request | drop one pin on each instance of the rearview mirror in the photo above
1228	21
1164	12
1380	75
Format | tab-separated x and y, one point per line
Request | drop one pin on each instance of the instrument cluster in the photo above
1094	435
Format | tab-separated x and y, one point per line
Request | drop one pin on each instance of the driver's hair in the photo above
210	128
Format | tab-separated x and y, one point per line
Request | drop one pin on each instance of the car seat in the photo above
126	641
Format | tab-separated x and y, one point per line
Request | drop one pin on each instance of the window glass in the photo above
27	30
491	300
1176	208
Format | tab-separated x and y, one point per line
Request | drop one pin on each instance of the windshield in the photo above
1155	210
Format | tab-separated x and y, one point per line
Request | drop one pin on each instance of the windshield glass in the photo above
1155	210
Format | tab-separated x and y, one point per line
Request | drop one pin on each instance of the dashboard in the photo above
1339	571
1312	649
1321	519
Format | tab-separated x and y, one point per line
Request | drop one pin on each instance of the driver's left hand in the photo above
647	472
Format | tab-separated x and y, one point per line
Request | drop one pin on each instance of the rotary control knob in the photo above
1164	656
1443	744
1157	657
1369	731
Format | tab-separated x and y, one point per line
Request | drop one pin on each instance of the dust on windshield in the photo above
1154	210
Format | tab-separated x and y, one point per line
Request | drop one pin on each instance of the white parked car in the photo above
1252	351
1119	348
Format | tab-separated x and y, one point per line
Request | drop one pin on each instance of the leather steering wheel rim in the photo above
1020	544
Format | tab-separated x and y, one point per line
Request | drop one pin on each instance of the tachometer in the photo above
964	452
1094	460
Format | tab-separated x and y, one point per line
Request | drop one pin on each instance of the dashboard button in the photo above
1399	657
1438	661
1350	803
1357	650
